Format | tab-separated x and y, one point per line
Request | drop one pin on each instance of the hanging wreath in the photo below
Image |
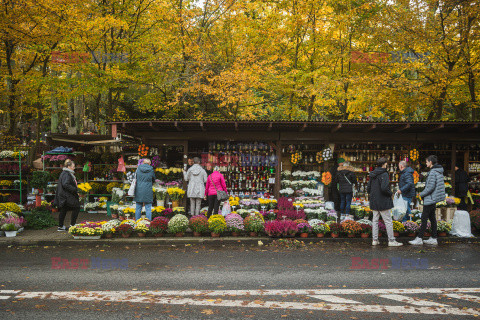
296	157
414	154
142	150
326	178
416	177
319	157
327	154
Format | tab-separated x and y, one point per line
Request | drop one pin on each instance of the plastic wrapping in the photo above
461	225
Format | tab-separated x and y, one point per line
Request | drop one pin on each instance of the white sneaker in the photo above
416	241
431	241
394	243
375	243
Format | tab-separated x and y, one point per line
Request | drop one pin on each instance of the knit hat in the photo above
340	160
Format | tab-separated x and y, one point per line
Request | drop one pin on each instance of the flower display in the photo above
198	223
351	227
175	194
321	228
298	221
10	207
332	216
234	222
366	228
143	150
326	178
304	227
216	223
86	229
281	228
178	224
110	226
159	225
411	227
443	226
365	221
160	192
398	226
287	192
254	223
290	214
335	227
125	229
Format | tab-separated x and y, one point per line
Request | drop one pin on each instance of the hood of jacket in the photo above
408	170
377	171
346	168
196	169
145	168
437	168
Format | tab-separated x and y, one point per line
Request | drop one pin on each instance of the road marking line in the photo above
462	296
334	299
9	291
4	297
411	300
135	296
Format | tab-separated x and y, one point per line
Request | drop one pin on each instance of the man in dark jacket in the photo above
345	179
66	198
144	189
461	186
406	185
433	193
381	201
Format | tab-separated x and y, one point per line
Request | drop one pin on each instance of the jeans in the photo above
213	205
138	210
345	202
387	219
409	210
195	206
63	214
428	214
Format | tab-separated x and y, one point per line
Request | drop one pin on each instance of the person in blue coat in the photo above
145	176
406	186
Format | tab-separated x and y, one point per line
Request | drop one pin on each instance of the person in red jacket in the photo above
215	182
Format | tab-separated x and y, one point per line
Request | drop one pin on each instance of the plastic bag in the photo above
461	224
399	207
226	209
131	190
329	205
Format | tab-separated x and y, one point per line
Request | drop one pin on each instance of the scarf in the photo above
72	173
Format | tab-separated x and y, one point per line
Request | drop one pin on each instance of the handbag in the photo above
131	190
221	195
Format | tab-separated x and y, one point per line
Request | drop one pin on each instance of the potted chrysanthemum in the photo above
216	224
178	225
198	224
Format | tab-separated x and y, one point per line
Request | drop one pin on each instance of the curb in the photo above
207	241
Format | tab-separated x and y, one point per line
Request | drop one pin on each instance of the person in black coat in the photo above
381	201
345	179
461	187
66	198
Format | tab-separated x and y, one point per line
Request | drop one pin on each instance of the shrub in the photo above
198	223
179	223
234	222
216	223
280	228
39	219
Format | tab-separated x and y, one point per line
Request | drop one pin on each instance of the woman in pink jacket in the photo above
215	181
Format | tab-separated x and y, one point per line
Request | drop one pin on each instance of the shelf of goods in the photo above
13	182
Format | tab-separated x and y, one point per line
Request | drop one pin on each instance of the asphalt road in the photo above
333	281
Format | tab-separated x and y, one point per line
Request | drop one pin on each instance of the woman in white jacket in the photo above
196	177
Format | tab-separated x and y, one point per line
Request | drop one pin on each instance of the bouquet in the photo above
234	222
198	223
175	194
178	224
216	223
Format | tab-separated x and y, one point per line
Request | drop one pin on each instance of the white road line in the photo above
334	299
4	297
9	291
462	296
411	300
140	297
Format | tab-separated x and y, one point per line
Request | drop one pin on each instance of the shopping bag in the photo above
226	209
399	207
131	190
461	225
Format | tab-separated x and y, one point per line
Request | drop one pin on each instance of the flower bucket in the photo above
320	235
160	203
10	234
303	235
215	235
351	235
365	235
197	234
253	234
175	204
141	234
334	235
179	234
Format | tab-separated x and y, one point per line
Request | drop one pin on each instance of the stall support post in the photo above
453	163
185	162
114	130
278	150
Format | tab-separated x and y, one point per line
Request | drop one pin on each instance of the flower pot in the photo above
396	234
320	235
235	234
126	235
253	234
175	204
179	234
160	203
303	235
365	235
351	235
141	234
114	216
412	235
334	235
215	235
197	234
427	234
442	234
10	233
158	235
108	235
121	218
54	210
